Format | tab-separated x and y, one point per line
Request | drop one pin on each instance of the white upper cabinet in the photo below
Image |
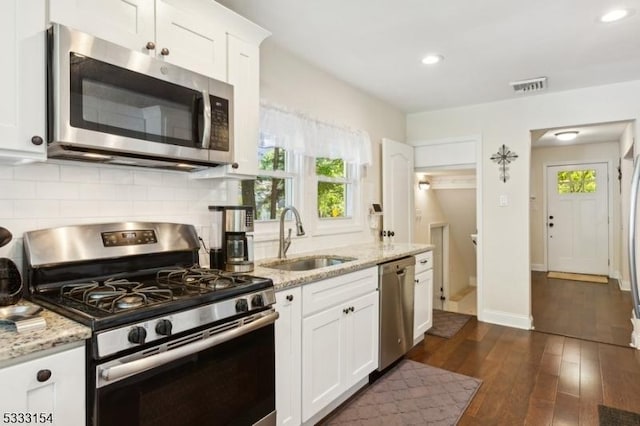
193	41
191	34
22	82
129	23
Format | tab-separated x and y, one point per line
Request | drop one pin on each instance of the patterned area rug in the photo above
446	324
410	394
609	416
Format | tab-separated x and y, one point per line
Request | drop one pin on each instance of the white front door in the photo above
577	218
397	190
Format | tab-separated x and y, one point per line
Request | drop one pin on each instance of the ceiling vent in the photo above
531	85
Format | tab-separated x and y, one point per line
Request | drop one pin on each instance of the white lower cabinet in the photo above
423	296
51	388
339	337
288	359
326	343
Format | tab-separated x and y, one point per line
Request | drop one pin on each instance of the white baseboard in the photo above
624	285
539	267
507	319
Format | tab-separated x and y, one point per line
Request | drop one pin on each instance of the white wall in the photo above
288	81
59	193
540	157
504	285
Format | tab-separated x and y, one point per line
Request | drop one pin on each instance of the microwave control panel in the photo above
219	140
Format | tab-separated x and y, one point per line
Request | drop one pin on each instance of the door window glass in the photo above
576	181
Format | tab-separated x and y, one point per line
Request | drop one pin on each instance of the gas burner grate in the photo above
201	278
116	295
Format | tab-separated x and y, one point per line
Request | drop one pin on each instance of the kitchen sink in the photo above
307	263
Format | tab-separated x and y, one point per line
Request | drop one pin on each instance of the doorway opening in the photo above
576	217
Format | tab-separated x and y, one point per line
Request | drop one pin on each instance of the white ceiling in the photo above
377	45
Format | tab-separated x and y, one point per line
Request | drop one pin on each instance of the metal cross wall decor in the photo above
504	157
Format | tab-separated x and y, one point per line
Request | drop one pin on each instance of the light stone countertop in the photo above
60	331
366	255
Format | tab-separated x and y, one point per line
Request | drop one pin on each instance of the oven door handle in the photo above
206	131
120	371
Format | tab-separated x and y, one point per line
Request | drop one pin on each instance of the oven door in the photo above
108	99
227	378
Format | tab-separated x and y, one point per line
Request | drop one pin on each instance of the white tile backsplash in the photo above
60	193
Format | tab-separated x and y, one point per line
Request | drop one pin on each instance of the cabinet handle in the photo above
235	165
43	375
150	45
424	261
416	281
37	140
164	51
345	310
352	309
289	297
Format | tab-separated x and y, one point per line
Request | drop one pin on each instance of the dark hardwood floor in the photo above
535	378
598	312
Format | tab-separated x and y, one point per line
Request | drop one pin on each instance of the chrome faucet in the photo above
285	243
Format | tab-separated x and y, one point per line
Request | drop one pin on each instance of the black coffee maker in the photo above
231	242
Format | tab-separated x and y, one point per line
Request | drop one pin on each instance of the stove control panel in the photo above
148	331
129	237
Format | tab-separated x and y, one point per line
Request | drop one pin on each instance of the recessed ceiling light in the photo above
432	59
567	136
614	15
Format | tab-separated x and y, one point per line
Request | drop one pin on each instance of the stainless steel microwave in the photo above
112	105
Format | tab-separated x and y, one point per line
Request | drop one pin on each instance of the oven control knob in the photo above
137	335
257	301
242	305
164	327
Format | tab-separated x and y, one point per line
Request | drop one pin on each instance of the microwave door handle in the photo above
206	133
195	116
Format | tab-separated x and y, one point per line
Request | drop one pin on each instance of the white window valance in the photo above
301	134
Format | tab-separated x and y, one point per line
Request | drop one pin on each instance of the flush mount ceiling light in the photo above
567	136
432	59
614	15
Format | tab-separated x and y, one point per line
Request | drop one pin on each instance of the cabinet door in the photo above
244	73
62	394
22	81
288	356
323	369
421	305
362	338
129	23
192	41
429	292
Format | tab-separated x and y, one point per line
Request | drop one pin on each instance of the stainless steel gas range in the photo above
172	343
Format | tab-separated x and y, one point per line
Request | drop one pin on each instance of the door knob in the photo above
150	45
550	217
164	51
551	225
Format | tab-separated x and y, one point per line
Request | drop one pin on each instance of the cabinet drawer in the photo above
330	292
424	261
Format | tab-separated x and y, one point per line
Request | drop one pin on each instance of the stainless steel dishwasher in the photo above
395	285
